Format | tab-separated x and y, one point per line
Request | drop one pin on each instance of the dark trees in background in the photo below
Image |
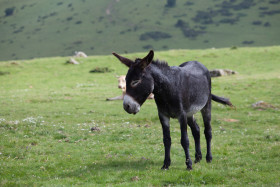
170	3
9	11
155	35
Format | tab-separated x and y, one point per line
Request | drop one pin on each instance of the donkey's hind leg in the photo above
206	115
196	135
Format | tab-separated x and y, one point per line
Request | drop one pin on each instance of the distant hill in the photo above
33	28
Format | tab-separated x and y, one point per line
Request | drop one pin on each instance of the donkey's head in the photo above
139	82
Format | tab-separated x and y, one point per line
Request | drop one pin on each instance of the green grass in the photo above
48	108
57	28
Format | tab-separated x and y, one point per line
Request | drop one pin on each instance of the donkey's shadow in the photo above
109	165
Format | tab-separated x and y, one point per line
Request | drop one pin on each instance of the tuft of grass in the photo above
48	111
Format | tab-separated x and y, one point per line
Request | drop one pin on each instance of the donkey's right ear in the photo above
124	60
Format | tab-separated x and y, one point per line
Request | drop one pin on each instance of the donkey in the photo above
179	92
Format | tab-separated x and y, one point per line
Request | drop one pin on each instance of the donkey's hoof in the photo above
189	164
198	158
208	159
165	167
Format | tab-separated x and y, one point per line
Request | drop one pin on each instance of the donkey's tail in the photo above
222	100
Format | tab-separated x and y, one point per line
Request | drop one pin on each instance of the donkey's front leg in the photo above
164	120
185	140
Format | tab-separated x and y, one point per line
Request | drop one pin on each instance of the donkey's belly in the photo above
196	106
194	109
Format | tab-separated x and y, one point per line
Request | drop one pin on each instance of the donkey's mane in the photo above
158	63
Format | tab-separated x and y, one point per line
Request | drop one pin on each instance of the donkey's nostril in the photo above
126	106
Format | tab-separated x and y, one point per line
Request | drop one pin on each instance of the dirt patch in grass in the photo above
261	105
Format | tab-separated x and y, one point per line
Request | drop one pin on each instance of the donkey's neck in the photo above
163	76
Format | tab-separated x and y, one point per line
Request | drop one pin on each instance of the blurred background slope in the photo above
44	28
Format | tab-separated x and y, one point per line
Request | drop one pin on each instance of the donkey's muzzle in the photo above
130	105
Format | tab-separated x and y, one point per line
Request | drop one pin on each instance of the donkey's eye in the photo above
135	83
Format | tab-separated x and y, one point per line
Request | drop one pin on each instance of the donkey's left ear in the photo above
124	60
147	60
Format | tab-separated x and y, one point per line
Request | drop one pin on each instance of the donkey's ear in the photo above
124	60
147	60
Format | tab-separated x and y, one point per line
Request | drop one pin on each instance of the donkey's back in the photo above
195	68
195	86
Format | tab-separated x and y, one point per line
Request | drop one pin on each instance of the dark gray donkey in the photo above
179	92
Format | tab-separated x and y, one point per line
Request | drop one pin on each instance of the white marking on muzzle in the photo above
130	105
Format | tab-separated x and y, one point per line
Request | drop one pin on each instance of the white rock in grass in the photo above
80	54
221	72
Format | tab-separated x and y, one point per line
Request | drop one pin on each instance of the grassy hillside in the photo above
43	28
48	109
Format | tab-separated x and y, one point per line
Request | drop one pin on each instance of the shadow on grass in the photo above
111	166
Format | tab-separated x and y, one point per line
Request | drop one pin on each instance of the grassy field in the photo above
58	28
47	110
